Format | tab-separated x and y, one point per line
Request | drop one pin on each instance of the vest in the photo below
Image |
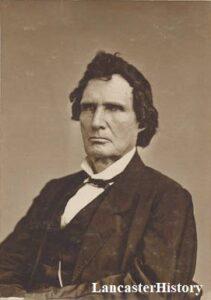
63	245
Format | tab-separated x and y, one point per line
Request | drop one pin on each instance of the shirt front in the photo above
88	192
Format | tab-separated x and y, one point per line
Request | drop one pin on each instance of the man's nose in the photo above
98	120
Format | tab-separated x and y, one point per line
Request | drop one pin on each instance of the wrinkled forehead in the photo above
114	89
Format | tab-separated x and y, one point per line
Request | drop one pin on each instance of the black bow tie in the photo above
100	182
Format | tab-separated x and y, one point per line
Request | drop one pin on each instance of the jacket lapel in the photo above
119	199
67	188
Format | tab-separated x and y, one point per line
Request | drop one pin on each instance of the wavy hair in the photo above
103	66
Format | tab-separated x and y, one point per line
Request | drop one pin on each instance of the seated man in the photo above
116	222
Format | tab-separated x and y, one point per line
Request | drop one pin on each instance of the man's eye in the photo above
87	107
114	108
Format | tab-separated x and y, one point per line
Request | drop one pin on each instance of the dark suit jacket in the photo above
158	244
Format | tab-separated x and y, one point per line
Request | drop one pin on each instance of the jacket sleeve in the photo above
167	252
168	249
18	250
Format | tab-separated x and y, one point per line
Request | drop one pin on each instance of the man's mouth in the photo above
98	139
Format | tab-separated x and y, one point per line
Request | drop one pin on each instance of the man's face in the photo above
108	122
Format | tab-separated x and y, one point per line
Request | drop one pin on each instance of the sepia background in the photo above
45	47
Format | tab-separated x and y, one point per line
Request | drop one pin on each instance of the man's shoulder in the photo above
152	177
162	179
59	182
56	188
70	177
167	189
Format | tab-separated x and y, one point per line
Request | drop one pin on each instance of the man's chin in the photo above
100	154
100	151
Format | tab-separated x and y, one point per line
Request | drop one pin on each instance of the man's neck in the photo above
99	164
106	168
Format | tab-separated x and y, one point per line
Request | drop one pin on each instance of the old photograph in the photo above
105	145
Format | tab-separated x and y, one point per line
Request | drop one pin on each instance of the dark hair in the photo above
103	66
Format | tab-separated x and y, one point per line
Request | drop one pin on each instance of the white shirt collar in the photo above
113	170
